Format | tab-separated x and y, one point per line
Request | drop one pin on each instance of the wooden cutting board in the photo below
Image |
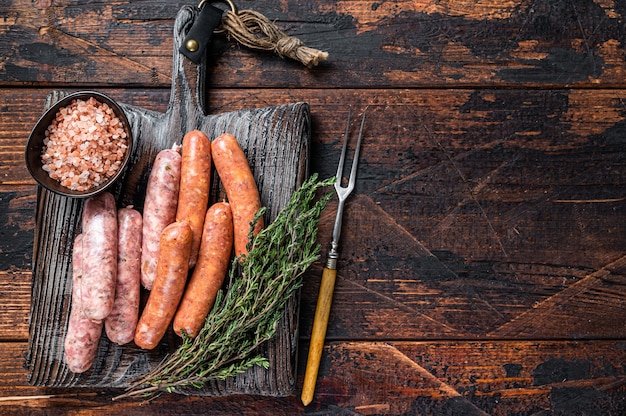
276	142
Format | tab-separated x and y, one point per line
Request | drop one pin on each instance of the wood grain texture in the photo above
482	261
457	187
370	378
474	378
381	44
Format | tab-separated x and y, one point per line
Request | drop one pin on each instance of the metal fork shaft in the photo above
329	274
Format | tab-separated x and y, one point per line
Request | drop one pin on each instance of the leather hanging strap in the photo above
250	29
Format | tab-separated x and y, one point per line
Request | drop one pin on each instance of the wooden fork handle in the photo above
318	334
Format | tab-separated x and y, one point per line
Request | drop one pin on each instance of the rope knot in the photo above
288	46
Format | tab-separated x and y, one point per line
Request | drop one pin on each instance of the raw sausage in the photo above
208	276
241	189
159	209
195	179
99	229
83	335
169	284
121	322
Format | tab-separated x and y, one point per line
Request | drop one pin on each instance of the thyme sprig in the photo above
247	312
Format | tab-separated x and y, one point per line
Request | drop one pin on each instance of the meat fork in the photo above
329	274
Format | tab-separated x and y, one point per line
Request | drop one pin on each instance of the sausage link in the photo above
241	189
83	335
121	322
169	284
159	209
99	229
195	179
208	276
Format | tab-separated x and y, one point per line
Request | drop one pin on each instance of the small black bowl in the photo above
35	146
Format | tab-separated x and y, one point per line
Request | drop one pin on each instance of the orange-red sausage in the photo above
211	268
241	189
83	335
159	209
121	322
168	287
195	179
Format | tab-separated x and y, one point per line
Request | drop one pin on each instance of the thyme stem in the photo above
246	314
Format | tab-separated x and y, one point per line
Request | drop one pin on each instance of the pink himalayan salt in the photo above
85	145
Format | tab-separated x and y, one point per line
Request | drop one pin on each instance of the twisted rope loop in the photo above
254	30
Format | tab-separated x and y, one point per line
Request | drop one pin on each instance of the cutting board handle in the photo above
187	95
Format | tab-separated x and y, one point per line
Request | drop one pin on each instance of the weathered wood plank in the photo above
14	298
484	215
393	285
472	206
383	44
411	130
403	378
17	223
474	378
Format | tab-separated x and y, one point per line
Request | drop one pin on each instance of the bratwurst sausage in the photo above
83	335
169	284
99	229
241	190
195	179
121	322
159	209
208	276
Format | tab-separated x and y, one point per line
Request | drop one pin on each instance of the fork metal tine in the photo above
355	160
344	191
344	147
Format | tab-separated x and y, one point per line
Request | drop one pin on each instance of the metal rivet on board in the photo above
192	45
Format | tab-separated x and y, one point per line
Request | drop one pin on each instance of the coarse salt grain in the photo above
84	145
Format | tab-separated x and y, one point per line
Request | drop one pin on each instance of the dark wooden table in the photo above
483	259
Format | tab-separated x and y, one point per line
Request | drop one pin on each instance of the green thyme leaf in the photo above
247	312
